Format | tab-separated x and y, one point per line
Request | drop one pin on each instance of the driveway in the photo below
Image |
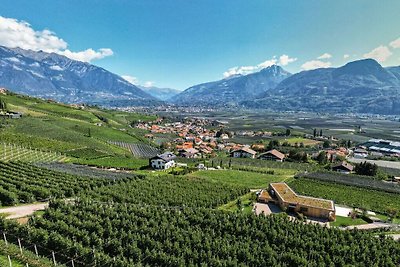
267	209
23	210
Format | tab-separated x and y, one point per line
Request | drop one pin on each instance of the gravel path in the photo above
23	211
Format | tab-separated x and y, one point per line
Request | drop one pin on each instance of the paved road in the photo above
381	163
23	211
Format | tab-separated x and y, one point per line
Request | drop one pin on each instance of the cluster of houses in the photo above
247	152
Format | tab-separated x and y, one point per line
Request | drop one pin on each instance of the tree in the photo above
3	105
326	144
315	132
321	158
273	144
320	132
288	132
366	168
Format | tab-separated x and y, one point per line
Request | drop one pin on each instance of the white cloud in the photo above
15	33
395	43
315	64
148	84
381	53
324	56
244	70
88	54
131	79
285	60
346	56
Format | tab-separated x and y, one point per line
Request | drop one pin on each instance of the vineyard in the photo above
11	152
353	180
138	150
351	196
83	170
25	183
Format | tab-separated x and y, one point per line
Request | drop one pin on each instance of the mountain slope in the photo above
160	93
232	90
49	75
359	86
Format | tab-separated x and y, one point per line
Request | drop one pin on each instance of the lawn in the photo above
246	204
298	140
120	162
252	180
347	221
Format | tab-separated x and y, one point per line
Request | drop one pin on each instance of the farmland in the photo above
354	180
252	180
25	183
351	196
138	150
10	152
170	221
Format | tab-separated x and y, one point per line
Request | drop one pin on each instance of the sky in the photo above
180	43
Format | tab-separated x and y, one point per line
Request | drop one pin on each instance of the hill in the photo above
52	76
232	90
359	86
81	133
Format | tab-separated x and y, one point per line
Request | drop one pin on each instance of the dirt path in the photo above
23	211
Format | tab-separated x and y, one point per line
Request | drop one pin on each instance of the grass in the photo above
242	178
346	221
121	162
247	202
351	196
298	140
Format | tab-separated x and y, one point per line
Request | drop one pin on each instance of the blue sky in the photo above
181	43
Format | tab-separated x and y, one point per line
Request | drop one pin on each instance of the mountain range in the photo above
360	86
50	75
232	90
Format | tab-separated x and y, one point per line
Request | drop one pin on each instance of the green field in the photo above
252	180
346	221
82	134
351	196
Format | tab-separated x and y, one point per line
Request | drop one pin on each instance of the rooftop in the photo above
289	196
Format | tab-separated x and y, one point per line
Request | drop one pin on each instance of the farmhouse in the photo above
343	167
282	195
273	154
163	161
244	152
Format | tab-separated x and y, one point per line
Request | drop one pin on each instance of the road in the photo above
381	163
23	210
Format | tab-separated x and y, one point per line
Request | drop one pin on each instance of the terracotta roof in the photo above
289	196
275	153
345	165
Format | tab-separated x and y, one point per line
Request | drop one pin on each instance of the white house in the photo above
163	161
244	152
